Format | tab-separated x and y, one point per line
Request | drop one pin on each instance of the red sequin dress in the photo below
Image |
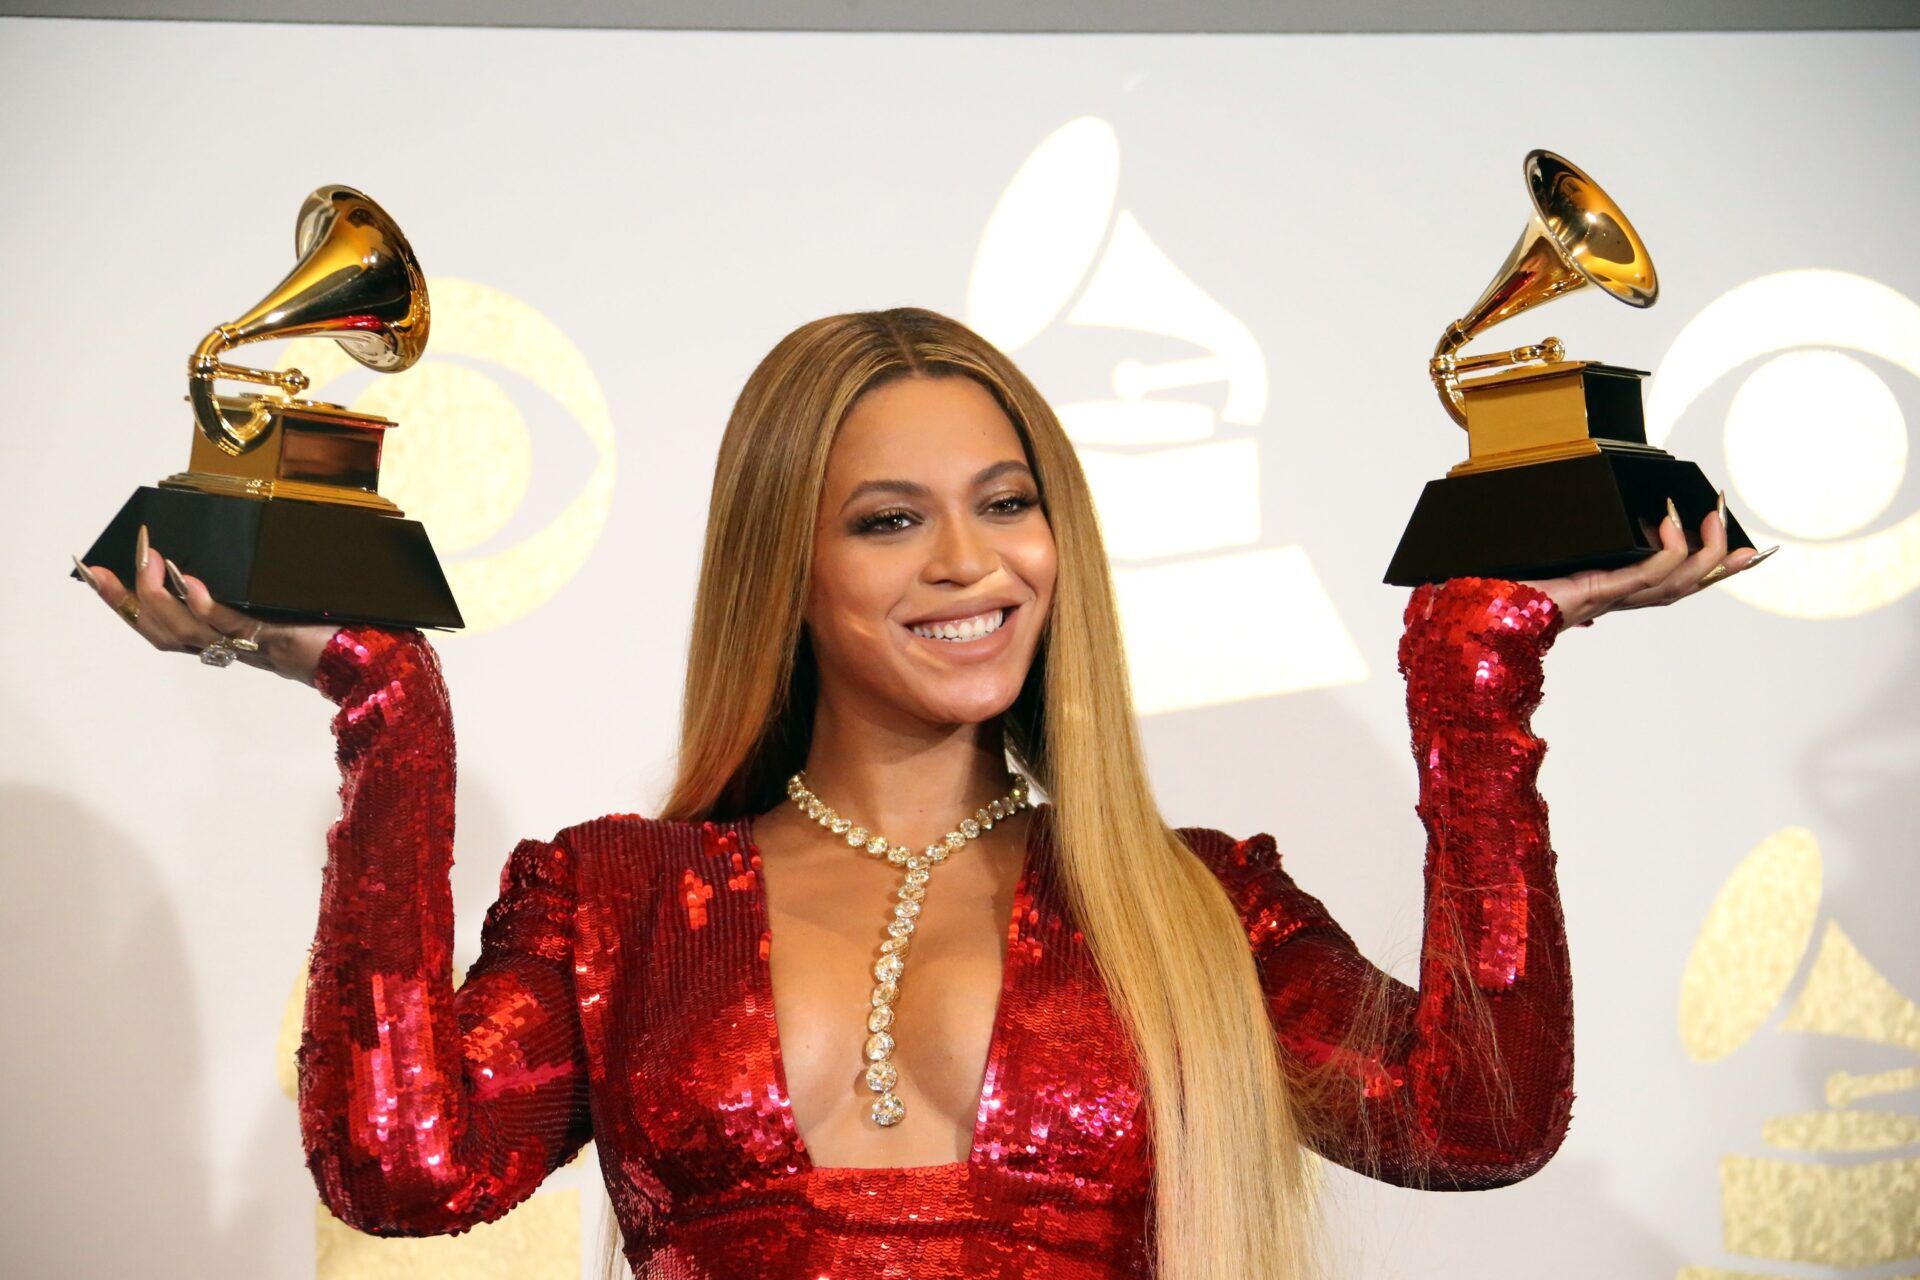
622	993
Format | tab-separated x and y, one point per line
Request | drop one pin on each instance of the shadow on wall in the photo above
1861	774
102	1078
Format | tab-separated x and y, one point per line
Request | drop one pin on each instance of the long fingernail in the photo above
141	544
1673	514
1720	507
1762	556
86	573
173	576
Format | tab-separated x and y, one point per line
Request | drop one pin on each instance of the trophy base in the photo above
289	559
1552	518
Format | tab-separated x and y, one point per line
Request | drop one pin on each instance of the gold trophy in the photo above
279	511
1559	475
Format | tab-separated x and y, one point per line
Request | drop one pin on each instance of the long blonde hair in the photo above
1232	1196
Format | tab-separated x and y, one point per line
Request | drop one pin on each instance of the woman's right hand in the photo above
173	625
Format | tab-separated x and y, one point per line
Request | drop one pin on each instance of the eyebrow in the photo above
912	489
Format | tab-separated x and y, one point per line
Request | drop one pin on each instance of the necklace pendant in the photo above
881	1074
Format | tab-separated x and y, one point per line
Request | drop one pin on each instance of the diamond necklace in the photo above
877	1053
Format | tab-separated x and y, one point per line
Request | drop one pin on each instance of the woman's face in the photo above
933	565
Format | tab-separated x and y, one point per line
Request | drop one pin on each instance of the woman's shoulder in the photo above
639	845
637	831
1249	866
619	868
1228	853
1249	869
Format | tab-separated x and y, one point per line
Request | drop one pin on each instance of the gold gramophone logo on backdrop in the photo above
1816	443
1056	248
1841	1210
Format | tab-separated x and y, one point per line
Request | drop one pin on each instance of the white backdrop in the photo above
618	226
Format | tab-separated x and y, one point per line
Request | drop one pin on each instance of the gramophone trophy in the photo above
279	511
1559	475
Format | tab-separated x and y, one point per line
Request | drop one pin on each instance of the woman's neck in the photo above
908	783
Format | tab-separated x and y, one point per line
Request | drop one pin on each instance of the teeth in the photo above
973	628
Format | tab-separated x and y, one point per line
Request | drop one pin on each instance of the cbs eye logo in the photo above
462	461
1816	442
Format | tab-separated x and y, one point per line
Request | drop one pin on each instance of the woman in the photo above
903	588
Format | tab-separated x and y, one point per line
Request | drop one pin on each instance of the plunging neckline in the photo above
764	990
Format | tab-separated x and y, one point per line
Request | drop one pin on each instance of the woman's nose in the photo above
961	553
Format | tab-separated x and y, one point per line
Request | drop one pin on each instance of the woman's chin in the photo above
972	705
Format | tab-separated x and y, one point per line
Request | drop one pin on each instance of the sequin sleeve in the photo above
1465	1083
425	1109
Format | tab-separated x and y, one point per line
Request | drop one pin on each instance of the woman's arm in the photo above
1467	1082
423	1109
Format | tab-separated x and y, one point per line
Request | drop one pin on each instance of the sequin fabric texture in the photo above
623	994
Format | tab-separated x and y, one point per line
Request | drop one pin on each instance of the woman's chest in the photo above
713	1055
849	1032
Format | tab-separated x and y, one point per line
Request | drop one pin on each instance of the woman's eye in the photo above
896	519
884	522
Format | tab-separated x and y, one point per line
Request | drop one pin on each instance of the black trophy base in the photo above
287	558
1552	518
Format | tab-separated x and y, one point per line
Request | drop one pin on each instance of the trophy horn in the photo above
356	281
1576	236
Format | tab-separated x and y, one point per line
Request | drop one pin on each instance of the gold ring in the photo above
129	608
247	643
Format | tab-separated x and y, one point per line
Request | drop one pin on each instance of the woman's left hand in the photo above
1667	575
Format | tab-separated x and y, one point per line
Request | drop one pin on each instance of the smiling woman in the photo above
892	470
930	587
1120	1042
